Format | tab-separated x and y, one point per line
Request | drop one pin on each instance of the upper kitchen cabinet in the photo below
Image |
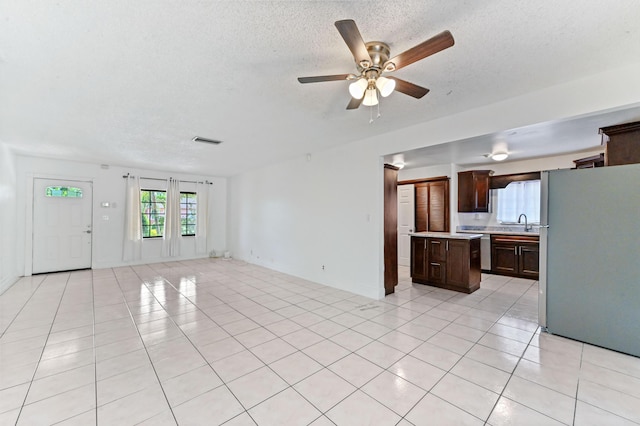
432	206
590	162
473	191
622	144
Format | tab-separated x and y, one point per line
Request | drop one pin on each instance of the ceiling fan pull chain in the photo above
370	114
378	116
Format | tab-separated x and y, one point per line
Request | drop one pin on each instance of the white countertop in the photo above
502	230
453	236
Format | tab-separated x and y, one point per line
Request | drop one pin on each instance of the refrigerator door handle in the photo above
544	233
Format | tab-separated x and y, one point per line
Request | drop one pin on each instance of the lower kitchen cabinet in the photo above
448	263
515	255
419	258
437	264
529	260
461	262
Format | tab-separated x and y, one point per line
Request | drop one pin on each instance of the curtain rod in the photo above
150	178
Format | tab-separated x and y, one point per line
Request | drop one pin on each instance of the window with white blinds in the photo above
518	198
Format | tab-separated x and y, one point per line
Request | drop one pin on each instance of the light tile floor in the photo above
224	342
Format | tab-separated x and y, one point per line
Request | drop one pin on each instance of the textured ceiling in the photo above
131	82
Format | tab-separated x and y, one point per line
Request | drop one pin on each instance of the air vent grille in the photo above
205	140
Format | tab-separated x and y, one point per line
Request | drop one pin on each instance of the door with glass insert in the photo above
62	212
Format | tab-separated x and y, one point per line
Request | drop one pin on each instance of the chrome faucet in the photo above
526	227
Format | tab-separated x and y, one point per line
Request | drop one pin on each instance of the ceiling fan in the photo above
372	60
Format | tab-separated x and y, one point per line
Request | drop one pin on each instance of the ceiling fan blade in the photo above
409	88
351	35
354	103
321	78
427	48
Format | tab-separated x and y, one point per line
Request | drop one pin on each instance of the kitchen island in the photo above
446	260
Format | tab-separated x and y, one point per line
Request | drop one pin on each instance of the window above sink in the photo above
518	198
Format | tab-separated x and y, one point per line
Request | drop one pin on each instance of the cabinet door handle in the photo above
447	248
435	264
515	251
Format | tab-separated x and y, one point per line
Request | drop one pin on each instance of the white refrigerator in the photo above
590	256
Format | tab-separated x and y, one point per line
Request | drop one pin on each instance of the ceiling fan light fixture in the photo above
370	97
385	85
358	87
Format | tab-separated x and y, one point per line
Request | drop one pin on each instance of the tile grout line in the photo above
575	406
145	349
23	306
95	355
53	320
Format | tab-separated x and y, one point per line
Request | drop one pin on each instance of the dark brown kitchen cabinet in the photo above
515	255
463	263
473	191
437	252
432	206
419	258
590	162
622	144
529	260
448	263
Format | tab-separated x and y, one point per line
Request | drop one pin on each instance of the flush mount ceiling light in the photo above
498	156
373	59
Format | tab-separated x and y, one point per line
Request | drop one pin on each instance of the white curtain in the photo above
132	246
202	216
172	236
517	198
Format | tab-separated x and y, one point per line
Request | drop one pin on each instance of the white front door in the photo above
61	225
406	206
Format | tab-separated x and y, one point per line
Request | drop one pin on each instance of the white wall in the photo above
299	215
8	236
108	223
296	216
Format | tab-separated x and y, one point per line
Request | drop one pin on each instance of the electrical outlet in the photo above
323	267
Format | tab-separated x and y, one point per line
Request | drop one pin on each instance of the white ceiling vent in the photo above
205	140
